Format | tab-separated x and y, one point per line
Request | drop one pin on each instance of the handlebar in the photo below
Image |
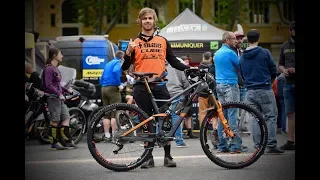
194	72
68	97
202	74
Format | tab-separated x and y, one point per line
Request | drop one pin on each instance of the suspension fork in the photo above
223	120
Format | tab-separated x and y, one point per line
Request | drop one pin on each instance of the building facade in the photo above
52	18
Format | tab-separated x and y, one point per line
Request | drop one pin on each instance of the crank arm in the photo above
120	146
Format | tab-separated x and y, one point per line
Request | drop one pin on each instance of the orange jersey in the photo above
150	56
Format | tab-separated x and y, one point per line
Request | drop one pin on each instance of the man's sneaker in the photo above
223	150
274	150
168	162
97	138
106	139
242	150
148	164
288	146
182	145
71	145
192	136
185	136
58	146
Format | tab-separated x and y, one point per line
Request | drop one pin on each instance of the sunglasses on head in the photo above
239	37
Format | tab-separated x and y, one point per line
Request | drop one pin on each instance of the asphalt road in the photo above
41	163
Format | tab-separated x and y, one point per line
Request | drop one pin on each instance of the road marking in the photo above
58	161
64	161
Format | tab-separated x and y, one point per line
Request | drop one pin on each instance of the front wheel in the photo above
43	131
223	150
115	153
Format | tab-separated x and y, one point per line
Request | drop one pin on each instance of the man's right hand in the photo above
288	71
131	47
61	97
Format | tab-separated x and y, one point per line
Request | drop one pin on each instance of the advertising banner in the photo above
94	58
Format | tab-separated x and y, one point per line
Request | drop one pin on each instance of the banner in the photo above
94	54
94	58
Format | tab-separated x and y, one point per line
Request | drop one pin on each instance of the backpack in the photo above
275	87
42	77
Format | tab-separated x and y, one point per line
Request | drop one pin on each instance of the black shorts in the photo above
123	98
142	98
189	113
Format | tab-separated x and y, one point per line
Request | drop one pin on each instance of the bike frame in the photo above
198	86
37	106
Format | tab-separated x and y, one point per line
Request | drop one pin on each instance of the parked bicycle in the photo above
37	114
127	140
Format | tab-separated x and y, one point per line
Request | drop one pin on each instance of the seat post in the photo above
147	85
155	106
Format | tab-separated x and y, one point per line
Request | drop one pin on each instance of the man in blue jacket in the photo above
226	66
110	92
259	71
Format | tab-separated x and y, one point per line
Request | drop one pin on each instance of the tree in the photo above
230	12
233	12
158	5
189	4
91	12
279	4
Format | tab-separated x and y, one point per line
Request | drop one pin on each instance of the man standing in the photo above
226	65
287	67
203	98
148	53
177	82
110	92
259	71
188	118
239	51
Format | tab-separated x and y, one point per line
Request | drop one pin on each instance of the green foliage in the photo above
161	24
225	9
88	10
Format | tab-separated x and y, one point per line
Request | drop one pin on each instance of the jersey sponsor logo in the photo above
289	51
94	60
88	73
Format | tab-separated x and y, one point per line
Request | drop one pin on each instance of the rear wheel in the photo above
77	123
43	131
256	141
28	119
116	154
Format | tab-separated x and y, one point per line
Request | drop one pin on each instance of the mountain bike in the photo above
126	139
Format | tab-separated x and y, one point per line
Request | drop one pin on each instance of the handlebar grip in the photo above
193	75
71	96
51	95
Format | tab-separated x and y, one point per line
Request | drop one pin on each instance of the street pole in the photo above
193	6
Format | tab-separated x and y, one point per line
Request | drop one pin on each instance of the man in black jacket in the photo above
287	67
34	76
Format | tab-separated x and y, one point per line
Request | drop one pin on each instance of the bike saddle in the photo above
140	74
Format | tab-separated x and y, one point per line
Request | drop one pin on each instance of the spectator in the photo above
258	71
287	67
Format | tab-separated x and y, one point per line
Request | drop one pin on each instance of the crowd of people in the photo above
249	75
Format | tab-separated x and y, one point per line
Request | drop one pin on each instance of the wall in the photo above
273	33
